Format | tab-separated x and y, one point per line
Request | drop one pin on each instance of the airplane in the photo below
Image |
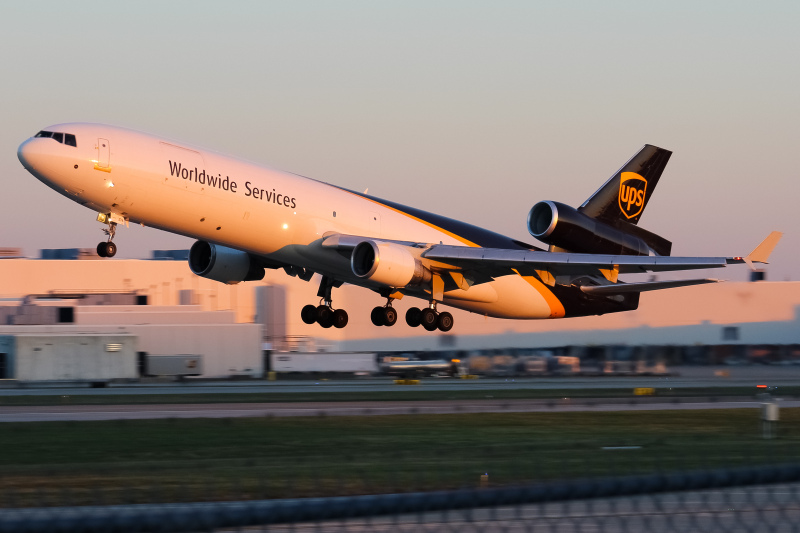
248	218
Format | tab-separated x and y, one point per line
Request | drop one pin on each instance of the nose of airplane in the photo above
27	153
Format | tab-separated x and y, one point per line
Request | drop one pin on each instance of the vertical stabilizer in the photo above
625	195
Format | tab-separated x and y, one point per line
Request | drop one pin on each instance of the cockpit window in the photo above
63	138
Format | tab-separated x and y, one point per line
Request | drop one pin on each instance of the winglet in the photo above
763	250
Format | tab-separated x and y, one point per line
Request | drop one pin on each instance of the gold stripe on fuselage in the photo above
556	307
412	217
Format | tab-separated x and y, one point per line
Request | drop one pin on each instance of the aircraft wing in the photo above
484	264
496	262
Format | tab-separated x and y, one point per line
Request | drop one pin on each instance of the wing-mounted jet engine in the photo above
224	264
388	263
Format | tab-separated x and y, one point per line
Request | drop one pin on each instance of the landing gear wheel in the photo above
445	321
389	316
324	316
108	248
413	317
309	314
339	318
428	319
377	316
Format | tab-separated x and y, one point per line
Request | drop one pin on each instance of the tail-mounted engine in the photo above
567	228
223	264
388	263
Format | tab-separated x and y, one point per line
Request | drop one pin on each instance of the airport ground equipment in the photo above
65	357
412	368
173	365
323	362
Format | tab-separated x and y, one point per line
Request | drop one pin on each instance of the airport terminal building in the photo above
156	314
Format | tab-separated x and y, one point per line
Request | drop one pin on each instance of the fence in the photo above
213	516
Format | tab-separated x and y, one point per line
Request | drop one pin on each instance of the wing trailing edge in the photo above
623	288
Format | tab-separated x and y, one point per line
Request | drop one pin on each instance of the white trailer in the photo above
72	358
343	362
173	365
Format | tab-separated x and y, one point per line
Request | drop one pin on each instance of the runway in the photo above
682	377
324	409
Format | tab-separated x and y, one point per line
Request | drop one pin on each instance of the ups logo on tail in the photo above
632	191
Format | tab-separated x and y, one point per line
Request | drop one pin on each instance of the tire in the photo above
377	316
428	319
340	318
111	249
309	314
389	316
445	321
324	315
101	249
413	317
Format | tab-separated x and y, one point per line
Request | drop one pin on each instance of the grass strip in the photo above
77	463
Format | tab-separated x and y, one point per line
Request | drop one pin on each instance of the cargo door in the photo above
103	155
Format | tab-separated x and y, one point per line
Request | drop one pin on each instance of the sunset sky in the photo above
475	110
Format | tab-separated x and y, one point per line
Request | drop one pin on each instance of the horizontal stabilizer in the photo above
622	288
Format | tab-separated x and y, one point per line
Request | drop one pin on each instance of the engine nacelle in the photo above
387	263
223	264
565	227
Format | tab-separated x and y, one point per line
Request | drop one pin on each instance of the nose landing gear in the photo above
108	248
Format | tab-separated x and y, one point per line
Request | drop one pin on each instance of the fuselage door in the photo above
103	155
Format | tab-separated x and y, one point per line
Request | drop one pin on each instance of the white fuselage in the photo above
234	203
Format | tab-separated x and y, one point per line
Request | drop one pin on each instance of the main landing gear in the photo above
384	316
324	314
429	318
108	248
